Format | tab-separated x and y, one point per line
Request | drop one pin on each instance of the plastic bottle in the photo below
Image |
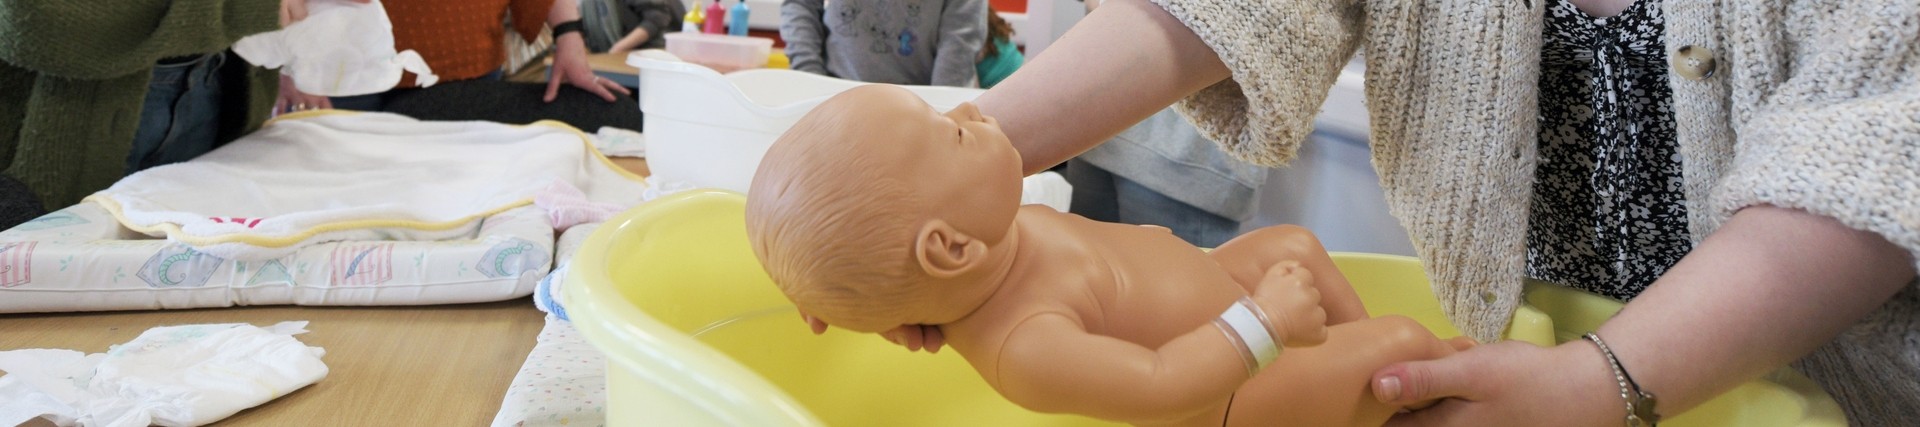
737	19
691	22
716	18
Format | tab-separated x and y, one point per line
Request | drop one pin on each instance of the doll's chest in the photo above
1162	287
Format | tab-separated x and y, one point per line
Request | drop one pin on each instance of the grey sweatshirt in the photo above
909	42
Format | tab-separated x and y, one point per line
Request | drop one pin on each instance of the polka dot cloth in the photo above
563	383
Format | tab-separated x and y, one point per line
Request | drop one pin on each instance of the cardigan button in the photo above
1692	62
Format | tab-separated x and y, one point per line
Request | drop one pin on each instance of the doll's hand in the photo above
818	326
913	337
917	337
570	67
1292	305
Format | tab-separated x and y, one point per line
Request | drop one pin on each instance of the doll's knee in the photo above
1293	239
1407	338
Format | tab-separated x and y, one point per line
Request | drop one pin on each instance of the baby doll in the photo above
876	212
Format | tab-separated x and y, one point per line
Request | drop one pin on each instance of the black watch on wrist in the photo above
566	27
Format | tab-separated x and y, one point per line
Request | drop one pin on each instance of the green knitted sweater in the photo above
74	74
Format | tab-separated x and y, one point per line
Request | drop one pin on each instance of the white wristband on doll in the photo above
1246	325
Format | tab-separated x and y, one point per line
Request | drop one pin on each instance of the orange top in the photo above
462	39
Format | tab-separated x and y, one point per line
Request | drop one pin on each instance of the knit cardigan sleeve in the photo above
93	40
1284	55
1837	132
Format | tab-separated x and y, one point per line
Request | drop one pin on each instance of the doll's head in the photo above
876	211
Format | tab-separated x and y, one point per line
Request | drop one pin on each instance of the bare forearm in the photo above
571	46
1769	287
1199	369
1127	60
563	11
633	40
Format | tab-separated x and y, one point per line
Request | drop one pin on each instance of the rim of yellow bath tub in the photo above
708	379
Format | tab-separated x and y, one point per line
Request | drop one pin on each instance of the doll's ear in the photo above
945	252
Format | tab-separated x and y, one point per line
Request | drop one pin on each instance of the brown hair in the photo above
997	29
834	228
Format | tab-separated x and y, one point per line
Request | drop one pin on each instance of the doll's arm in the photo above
1050	363
1247	259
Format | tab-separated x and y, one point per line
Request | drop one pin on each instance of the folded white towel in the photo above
327	176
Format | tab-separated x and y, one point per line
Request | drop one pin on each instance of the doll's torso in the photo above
1138	284
1146	286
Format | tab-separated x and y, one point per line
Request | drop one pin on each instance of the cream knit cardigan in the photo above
1814	105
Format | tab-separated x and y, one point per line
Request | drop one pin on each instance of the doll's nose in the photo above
967	111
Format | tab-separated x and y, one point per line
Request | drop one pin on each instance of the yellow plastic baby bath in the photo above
696	335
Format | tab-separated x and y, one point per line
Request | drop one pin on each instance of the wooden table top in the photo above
429	365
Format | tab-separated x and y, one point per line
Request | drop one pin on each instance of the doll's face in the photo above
958	161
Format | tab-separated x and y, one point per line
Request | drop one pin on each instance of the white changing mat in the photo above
80	259
332	176
323	208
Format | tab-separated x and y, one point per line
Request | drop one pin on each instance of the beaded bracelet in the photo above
1639	402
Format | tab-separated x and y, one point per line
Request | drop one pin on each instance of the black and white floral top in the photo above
1608	215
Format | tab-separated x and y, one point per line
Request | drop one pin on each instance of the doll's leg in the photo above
1247	258
1327	385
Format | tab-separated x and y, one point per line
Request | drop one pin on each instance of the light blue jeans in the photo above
181	117
1101	195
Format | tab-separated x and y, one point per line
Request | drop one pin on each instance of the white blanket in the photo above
328	176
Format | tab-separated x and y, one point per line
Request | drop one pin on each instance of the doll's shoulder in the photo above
982	339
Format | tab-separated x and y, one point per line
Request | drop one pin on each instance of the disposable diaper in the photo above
342	48
170	376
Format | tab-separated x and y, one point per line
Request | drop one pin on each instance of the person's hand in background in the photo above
570	66
570	58
292	99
